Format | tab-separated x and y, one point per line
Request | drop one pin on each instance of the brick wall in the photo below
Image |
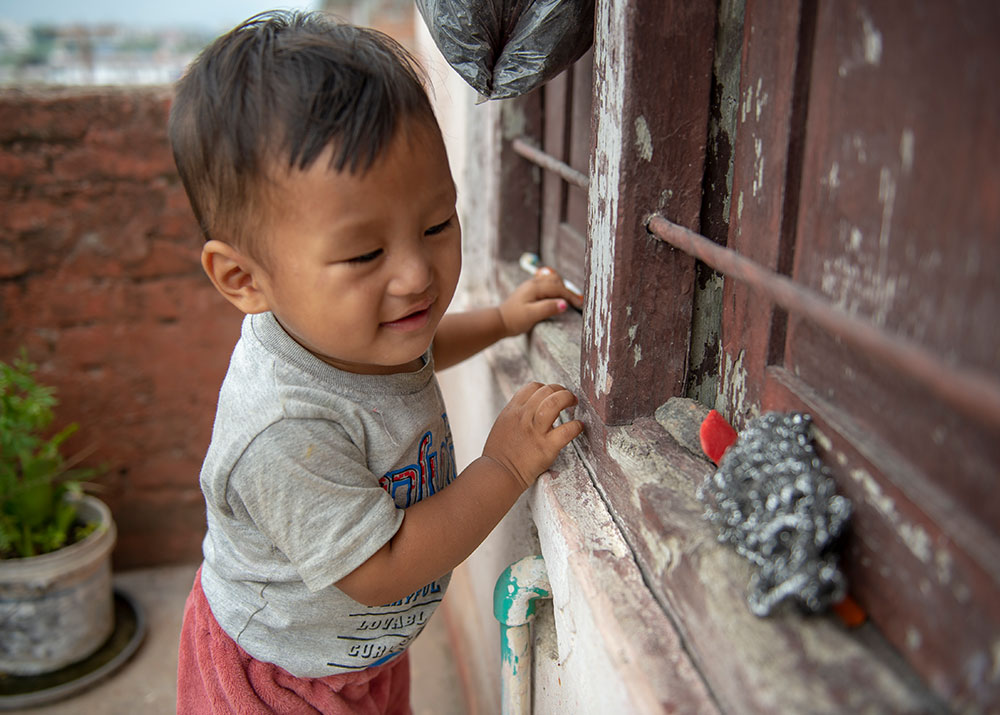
100	281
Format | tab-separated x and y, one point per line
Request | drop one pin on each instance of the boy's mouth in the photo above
415	319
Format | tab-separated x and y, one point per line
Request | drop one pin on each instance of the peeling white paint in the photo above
734	387
739	209
856	237
860	148
906	142
663	199
913	638
856	287
913	536
761	99
867	52
917	538
943	562
758	166
833	178
857	281
821	439
636	349
747	103
886	197
604	187
872	39
643	139
873	492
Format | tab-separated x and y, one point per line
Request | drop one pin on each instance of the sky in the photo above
206	14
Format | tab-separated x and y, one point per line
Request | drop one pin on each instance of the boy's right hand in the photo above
523	439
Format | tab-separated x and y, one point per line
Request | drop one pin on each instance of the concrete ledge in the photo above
615	650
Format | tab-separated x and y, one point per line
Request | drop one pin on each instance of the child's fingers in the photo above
525	393
566	432
542	309
538	395
550	406
551	285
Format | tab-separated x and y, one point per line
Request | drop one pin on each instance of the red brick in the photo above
12	261
17	165
169	258
100	279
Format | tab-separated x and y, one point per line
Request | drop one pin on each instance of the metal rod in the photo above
549	162
974	392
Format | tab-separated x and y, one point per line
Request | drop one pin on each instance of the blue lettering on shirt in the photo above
433	470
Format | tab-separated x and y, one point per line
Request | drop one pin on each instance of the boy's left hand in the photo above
538	298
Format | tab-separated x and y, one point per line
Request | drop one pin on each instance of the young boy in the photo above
316	168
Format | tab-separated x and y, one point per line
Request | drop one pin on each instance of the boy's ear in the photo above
235	275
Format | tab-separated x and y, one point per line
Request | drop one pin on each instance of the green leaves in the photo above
36	514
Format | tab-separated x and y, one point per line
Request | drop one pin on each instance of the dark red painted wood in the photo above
652	75
899	220
518	202
874	180
775	55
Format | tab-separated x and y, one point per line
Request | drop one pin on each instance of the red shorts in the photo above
215	675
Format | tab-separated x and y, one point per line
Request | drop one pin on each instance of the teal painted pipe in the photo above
518	588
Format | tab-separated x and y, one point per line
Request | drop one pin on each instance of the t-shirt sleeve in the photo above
308	489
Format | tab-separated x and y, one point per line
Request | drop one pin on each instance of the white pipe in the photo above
519	586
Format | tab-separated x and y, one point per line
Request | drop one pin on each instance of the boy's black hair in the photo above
281	88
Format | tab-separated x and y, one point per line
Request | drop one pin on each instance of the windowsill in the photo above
640	481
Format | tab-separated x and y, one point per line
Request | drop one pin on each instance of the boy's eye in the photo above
367	257
438	228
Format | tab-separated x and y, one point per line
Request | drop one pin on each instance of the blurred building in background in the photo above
105	53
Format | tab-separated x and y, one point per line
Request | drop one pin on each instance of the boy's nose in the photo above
413	274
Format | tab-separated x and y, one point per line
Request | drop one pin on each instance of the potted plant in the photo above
56	596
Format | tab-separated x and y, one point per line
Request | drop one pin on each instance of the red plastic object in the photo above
850	612
716	436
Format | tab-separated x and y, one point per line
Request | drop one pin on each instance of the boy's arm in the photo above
462	335
438	533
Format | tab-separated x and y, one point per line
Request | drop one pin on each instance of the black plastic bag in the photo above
506	48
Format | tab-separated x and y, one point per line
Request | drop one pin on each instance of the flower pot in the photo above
58	608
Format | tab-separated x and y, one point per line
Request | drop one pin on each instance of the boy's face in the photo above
360	268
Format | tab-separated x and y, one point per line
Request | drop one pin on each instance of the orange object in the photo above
850	612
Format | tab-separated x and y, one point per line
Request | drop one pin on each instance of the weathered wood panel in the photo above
556	131
899	220
777	40
519	187
652	75
574	226
899	224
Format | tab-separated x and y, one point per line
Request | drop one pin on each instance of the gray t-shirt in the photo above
306	477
